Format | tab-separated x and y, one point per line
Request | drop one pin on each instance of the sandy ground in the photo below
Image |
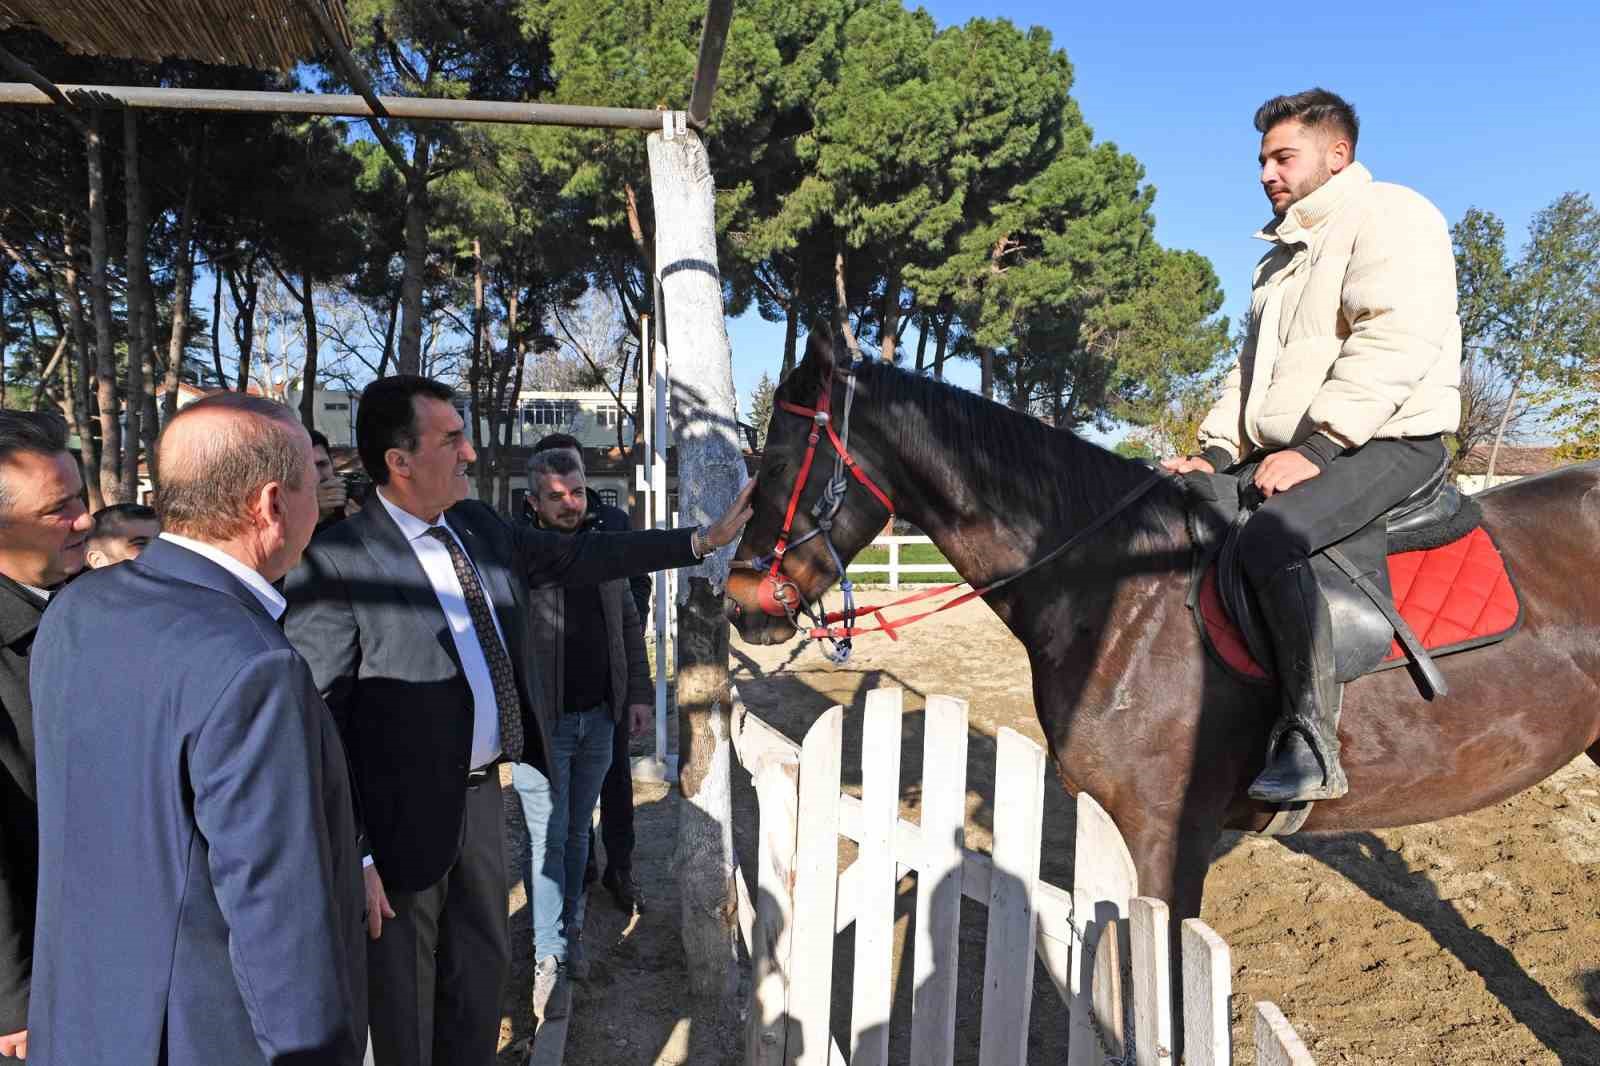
1469	941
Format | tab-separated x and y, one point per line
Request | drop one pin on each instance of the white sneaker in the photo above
552	994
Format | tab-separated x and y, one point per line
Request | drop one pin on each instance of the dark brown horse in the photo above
1133	708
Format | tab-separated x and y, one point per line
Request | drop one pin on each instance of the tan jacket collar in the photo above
1305	217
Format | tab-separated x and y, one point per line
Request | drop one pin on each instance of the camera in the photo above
356	485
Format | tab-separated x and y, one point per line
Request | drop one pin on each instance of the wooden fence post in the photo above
816	886
1103	881
1008	955
1148	926
1277	1044
880	813
778	799
938	929
1207	984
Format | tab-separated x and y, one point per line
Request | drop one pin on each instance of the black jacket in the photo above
19	813
629	680
363	614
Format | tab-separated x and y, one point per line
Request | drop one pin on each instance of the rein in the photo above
780	596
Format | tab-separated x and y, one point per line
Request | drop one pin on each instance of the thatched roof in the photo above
265	34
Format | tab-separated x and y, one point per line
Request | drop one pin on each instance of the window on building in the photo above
608	497
672	502
549	412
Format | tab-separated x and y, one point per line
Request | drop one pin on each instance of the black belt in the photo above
482	773
602	705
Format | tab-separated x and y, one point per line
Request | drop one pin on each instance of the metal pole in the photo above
415	108
660	436
713	38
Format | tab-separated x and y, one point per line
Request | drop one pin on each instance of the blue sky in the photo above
1493	105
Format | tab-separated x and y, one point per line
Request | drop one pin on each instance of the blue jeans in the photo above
558	810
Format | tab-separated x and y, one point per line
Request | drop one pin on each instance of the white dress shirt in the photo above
270	597
441	572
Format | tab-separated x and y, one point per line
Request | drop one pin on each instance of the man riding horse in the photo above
1349	376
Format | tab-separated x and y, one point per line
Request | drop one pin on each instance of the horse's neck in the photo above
984	537
990	531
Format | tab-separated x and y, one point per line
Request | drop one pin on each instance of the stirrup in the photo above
1333	783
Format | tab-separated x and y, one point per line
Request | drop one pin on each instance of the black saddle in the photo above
1353	574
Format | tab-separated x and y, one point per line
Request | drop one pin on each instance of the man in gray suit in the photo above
200	898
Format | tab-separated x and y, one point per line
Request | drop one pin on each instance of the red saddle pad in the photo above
1454	597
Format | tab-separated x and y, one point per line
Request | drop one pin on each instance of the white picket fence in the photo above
894	567
1117	986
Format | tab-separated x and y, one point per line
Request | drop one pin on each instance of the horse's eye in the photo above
777	468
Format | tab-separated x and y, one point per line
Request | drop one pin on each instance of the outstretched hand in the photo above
726	529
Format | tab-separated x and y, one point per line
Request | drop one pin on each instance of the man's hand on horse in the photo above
1187	464
726	529
1282	471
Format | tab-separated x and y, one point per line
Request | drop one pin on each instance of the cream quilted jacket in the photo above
1353	327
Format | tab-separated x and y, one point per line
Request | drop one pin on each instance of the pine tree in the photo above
761	405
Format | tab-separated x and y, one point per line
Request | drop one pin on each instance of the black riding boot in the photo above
1303	751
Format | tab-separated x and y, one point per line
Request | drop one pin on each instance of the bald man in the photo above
200	892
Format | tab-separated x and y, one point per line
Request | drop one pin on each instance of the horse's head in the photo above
777	577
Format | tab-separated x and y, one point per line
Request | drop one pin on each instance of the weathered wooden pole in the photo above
710	472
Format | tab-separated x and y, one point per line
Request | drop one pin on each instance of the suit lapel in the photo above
396	560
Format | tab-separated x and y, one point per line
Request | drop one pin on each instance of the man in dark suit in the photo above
200	897
412	615
44	530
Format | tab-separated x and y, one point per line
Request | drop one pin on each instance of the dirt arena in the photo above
1470	941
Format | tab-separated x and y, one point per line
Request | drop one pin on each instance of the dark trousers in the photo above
616	804
438	972
1347	496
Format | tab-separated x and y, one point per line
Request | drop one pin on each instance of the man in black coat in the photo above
412	615
616	793
200	896
44	531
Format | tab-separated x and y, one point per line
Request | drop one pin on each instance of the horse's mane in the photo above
1011	458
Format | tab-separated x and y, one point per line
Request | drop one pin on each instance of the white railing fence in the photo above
1118	987
894	567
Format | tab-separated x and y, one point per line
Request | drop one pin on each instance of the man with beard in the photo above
1347	381
595	684
616	794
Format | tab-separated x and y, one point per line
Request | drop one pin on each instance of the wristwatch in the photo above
697	543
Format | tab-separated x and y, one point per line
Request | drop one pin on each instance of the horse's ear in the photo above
818	361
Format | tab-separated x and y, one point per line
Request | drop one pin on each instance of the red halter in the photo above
778	596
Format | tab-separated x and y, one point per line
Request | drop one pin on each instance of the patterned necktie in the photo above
494	652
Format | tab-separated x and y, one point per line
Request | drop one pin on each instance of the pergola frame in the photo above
38	91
